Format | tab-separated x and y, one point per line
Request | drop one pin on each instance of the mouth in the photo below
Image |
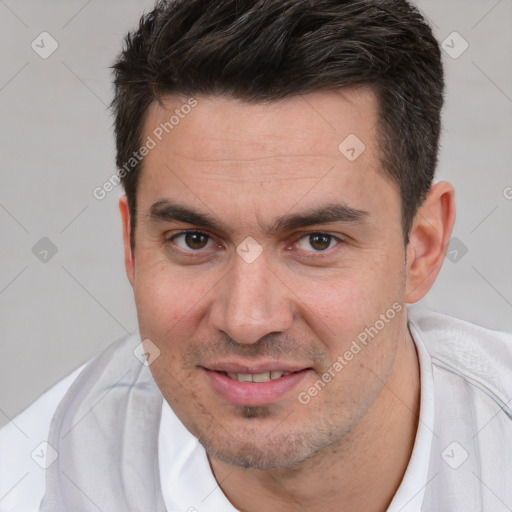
254	388
257	377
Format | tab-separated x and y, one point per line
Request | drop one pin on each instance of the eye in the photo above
320	242
191	240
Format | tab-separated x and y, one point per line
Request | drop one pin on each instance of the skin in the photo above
298	303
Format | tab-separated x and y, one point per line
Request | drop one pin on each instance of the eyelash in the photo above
201	252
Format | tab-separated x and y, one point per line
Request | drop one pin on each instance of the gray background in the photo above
57	146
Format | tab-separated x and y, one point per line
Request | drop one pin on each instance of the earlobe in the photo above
124	210
428	240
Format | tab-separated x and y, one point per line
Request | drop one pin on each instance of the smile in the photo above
257	388
257	377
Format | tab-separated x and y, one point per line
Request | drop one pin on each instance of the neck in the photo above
361	472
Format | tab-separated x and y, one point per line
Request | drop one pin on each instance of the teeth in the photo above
261	377
257	377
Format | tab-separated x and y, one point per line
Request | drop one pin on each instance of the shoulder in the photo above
23	450
472	419
480	357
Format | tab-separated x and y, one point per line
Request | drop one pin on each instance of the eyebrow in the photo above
164	210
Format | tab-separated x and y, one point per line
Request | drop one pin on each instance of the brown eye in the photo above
191	240
317	241
196	240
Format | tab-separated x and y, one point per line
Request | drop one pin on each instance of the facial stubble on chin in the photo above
253	412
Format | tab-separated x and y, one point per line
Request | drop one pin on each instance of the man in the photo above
280	213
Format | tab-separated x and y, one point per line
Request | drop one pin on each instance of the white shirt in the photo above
187	482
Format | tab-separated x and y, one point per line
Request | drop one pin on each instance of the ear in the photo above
128	254
428	241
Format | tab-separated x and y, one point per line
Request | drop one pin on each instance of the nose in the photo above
251	302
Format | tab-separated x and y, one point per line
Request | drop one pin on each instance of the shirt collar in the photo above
409	496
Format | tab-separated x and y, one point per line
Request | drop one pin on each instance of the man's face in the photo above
324	262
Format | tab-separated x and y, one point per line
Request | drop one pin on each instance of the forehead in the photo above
218	152
308	124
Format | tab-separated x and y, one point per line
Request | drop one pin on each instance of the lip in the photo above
260	367
253	394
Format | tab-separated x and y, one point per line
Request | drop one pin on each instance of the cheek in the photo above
164	298
169	310
339	307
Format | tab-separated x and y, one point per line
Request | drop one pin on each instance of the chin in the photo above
263	451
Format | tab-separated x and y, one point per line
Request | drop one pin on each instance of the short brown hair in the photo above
266	50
